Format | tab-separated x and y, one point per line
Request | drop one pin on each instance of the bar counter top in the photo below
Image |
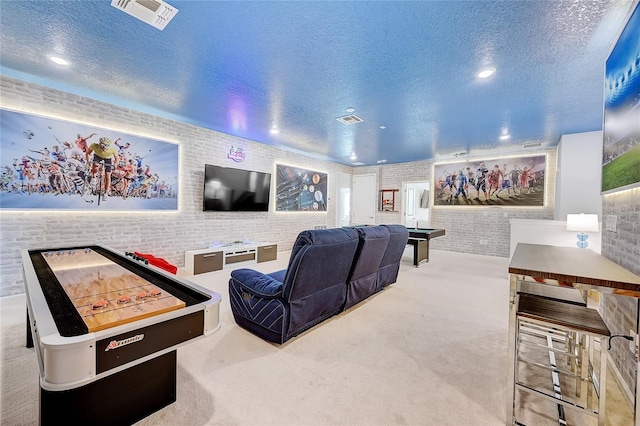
569	266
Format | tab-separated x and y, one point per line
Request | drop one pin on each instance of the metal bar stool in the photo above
554	321
563	294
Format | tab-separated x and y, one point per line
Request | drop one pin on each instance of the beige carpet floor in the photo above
429	350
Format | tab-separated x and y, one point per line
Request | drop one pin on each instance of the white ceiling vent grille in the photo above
531	144
350	119
154	12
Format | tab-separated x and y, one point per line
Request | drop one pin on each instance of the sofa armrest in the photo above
257	283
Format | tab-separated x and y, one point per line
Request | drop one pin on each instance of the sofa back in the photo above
390	264
363	276
315	281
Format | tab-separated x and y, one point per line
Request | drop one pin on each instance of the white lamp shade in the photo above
582	222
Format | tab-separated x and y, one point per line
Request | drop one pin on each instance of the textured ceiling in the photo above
242	67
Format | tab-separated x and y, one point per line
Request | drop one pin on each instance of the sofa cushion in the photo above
257	282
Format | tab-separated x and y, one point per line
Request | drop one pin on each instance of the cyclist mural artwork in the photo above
53	164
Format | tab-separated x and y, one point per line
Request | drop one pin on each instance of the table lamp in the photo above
582	223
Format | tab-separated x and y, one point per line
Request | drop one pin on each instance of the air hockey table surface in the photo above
94	315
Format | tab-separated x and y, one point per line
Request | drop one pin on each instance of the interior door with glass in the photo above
410	211
414	210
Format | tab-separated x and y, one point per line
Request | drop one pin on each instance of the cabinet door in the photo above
241	257
266	253
207	262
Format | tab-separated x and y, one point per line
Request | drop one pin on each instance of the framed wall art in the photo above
300	189
621	126
52	164
506	181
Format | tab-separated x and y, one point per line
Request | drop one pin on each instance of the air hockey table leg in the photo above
29	343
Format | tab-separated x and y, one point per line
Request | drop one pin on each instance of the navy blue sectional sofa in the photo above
330	270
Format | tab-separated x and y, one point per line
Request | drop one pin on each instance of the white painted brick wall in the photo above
165	235
622	247
168	235
465	227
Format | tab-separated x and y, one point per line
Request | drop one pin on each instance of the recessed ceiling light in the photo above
350	109
353	156
58	60
486	72
383	127
504	137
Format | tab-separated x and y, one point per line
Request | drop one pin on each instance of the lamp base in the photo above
582	240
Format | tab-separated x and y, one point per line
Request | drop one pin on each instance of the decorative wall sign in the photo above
236	154
300	189
507	181
621	130
51	164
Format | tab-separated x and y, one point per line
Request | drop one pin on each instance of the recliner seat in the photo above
280	305
363	277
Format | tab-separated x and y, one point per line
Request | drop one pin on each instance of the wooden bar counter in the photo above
566	267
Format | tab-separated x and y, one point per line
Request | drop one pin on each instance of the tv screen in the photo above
229	189
621	126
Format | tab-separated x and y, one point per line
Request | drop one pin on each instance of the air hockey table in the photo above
420	238
106	327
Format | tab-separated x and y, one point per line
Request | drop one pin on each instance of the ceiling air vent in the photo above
531	144
154	12
350	119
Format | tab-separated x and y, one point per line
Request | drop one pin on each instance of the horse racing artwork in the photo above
51	164
507	181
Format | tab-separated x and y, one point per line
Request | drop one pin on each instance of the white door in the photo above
364	198
414	210
343	210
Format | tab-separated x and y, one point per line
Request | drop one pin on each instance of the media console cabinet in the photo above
228	256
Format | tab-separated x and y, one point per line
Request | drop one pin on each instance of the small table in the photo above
419	238
582	269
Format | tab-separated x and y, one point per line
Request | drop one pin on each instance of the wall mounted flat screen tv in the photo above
621	126
229	189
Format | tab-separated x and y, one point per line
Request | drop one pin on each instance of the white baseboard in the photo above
617	376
